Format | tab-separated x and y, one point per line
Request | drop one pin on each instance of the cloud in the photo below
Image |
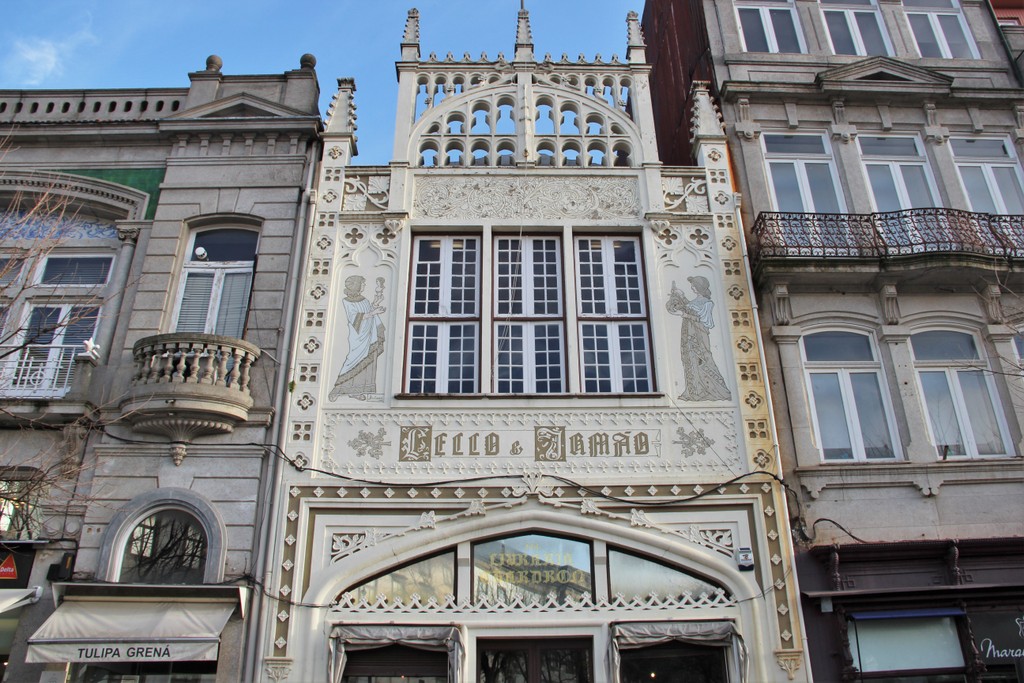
32	61
35	61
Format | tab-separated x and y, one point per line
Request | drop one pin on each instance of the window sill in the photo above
926	477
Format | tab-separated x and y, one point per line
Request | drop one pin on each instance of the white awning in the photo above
111	630
13	598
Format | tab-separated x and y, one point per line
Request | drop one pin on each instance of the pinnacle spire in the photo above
411	36
524	37
635	45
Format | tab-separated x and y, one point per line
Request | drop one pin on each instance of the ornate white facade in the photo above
432	412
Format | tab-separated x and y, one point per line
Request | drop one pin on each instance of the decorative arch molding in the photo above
852	321
105	199
561	521
224	220
945	320
125	519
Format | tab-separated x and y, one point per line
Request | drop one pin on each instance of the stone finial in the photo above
412	27
636	52
214	63
307	61
341	115
634	36
706	120
524	36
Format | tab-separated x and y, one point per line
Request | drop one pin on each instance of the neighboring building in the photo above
166	223
528	432
878	148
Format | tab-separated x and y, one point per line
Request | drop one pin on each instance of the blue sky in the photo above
78	44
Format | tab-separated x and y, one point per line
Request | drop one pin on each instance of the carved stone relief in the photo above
685	194
357	377
702	379
410	444
488	197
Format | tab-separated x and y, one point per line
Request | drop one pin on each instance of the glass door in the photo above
551	660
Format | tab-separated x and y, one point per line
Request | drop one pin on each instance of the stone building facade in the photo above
147	244
528	430
878	149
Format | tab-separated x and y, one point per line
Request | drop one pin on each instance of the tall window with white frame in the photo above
991	175
939	29
444	318
769	26
55	328
529	333
963	410
802	174
855	27
214	295
612	309
852	417
897	172
526	316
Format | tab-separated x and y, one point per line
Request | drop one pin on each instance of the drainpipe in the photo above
268	482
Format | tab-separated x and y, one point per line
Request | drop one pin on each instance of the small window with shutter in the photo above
216	282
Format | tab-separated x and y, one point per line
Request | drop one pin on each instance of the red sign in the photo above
8	570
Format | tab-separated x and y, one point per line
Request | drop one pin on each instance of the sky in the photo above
82	44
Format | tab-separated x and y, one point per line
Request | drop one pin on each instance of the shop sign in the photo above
15	568
999	635
114	651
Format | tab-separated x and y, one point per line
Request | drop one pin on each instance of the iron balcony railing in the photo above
37	371
885	235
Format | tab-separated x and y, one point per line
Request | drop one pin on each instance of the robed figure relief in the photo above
358	375
703	380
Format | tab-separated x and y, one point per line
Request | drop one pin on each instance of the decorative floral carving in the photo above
361	191
369	444
693	443
789	661
491	197
692	196
699	237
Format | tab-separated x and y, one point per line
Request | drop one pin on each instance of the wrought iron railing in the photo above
887	235
37	371
192	358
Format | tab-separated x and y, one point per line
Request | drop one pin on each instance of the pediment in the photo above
242	105
883	74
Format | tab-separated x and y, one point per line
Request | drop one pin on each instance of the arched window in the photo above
963	413
167	546
851	413
217	276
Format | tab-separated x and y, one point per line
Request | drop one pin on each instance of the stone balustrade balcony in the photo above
189	384
934	239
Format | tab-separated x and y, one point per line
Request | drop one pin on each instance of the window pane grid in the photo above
960	400
990	174
801	172
529	358
852	419
940	33
615	353
855	32
769	28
